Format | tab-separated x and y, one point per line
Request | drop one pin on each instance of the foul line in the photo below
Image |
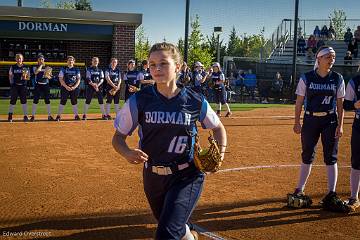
206	233
269	166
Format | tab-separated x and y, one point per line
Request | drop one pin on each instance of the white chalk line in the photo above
270	166
206	233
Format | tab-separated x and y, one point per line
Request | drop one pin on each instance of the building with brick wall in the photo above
58	33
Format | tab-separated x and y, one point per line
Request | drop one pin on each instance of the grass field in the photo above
94	107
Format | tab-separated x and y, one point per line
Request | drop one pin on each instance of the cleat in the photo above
228	114
32	119
26	119
331	202
10	117
77	118
218	113
352	204
104	117
298	199
84	117
108	117
50	118
195	234
58	118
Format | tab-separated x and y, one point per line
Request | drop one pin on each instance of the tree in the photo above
83	5
142	45
233	43
198	51
181	46
338	21
212	44
68	4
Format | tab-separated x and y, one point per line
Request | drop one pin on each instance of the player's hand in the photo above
297	128
339	132
357	104
136	156
68	88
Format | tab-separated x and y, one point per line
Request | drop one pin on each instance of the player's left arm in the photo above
101	78
340	109
78	79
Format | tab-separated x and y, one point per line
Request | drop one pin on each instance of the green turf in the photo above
94	106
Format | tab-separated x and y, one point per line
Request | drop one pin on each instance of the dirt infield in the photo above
64	181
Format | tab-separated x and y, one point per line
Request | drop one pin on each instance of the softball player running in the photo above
132	79
167	116
322	91
18	76
218	79
41	88
352	103
69	78
113	79
94	81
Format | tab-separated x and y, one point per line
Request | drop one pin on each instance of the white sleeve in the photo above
208	117
88	75
61	73
301	88
125	77
101	74
140	76
350	93
341	89
222	77
106	74
126	119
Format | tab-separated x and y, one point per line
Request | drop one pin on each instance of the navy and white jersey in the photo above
167	127
321	93
146	74
94	74
39	77
114	75
133	78
16	75
198	76
218	76
353	91
70	75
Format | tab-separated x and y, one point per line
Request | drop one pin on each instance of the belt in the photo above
164	170
319	114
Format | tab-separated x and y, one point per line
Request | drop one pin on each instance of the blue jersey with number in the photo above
353	91
17	74
70	75
167	127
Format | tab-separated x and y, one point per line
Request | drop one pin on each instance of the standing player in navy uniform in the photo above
199	76
352	103
132	79
69	78
94	81
113	79
42	87
146	76
167	116
322	91
218	80
18	86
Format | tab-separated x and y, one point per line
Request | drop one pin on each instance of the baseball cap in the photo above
131	61
198	64
40	56
216	64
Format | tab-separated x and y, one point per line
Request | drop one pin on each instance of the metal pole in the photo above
295	46
218	48
186	44
20	3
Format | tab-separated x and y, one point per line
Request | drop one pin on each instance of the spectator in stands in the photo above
309	56
353	47
240	81
324	33
320	43
264	89
317	32
357	34
348	58
301	46
331	33
277	86
311	43
348	36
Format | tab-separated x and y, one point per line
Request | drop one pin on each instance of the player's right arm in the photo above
108	80
125	123
300	92
61	80
11	76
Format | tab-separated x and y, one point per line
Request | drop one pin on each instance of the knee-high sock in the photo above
102	109
355	183
48	108
34	106
61	109
332	173
75	109
188	235
219	108
86	108
24	108
116	108
108	108
11	108
227	107
305	171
